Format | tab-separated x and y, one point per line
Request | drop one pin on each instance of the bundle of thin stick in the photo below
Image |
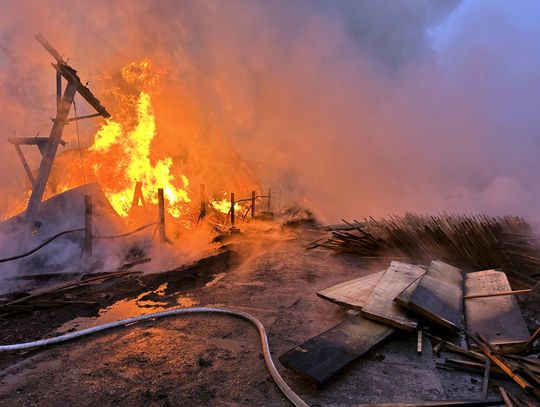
470	242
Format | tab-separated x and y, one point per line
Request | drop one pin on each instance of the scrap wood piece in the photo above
497	319
321	357
62	287
452	347
381	306
487	349
353	293
441	403
505	398
439	295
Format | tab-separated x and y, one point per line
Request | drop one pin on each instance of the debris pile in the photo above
471	242
474	317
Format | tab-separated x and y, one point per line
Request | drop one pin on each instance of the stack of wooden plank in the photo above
471	242
478	304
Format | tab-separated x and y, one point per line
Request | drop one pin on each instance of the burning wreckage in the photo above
442	309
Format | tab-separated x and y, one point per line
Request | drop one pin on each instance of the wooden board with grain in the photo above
439	295
324	355
497	319
353	293
381	306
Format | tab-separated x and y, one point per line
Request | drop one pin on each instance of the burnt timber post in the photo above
202	214
51	149
161	206
138	196
88	232
49	146
253	198
232	210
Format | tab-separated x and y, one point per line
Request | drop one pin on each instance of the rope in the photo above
287	391
45	243
126	234
79	141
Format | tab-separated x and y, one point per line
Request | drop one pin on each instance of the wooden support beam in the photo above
58	89
88	232
87	116
25	165
50	151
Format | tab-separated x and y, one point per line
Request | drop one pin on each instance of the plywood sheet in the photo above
439	295
381	306
324	355
497	319
353	293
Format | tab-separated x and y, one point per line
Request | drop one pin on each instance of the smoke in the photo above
354	108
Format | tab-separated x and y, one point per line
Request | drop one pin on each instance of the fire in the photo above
122	157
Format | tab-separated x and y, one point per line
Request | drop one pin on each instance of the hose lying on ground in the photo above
287	391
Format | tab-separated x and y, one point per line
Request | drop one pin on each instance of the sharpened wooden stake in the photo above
253	198
88	233
499	294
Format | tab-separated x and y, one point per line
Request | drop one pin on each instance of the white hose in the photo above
287	391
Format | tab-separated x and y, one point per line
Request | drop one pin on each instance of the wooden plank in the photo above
439	295
497	319
324	355
381	306
353	293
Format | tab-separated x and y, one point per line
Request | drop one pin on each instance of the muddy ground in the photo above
216	360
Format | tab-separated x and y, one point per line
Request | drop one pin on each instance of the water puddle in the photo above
145	303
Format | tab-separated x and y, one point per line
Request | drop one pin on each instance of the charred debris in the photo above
474	303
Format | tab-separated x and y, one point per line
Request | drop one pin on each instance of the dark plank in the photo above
381	306
497	319
439	295
353	293
322	356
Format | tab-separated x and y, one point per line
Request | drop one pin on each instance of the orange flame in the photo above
131	150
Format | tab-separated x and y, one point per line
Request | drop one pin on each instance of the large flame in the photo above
122	158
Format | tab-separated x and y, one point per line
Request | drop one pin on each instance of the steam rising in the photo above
350	107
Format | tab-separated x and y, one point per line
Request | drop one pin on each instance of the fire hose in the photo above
286	390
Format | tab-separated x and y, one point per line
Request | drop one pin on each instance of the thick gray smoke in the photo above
350	105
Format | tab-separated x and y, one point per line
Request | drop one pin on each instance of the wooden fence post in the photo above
203	202
88	233
232	209
161	207
253	198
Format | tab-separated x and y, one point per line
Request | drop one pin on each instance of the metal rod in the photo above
88	233
232	209
253	198
161	206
